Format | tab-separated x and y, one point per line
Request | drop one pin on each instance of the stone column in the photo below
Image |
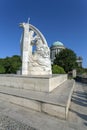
25	48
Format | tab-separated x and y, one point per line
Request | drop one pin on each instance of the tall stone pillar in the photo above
25	48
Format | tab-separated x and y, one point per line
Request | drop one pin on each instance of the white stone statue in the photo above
34	62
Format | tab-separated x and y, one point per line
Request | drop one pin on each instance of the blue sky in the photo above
58	20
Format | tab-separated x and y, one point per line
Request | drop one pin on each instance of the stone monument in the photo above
35	52
30	90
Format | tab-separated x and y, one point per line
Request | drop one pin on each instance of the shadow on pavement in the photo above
85	123
79	97
83	116
80	100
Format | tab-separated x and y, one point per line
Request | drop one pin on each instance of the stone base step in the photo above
35	83
55	103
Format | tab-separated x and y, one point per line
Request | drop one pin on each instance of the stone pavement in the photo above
78	110
26	119
7	123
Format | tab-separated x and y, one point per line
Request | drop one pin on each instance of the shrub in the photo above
57	70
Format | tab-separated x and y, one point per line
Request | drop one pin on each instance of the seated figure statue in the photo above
40	60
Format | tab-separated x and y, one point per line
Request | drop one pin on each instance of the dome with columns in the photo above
57	43
55	49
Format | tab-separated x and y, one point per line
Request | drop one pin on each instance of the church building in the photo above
56	48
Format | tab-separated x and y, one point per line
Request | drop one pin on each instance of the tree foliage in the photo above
66	59
81	71
2	69
57	70
10	64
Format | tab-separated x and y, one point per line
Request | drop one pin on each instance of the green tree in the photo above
81	71
85	69
12	64
7	65
2	69
57	70
66	59
15	63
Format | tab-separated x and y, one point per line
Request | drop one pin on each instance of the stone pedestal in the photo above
51	95
35	83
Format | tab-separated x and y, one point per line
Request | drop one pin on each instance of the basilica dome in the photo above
57	43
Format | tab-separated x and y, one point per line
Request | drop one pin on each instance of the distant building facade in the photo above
79	61
56	48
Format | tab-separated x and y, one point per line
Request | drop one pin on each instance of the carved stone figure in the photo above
35	61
